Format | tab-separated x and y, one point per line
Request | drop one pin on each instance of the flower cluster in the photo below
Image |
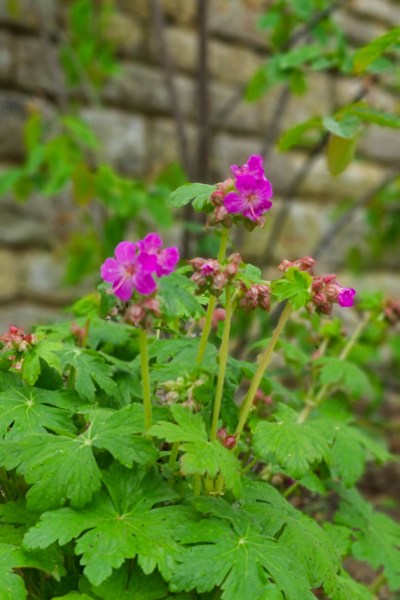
15	342
210	275
258	295
229	441
135	265
141	312
325	290
248	195
181	390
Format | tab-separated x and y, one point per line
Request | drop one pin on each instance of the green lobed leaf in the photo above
376	537
231	551
30	409
113	533
199	193
364	56
62	468
294	287
43	350
90	370
291	445
130	583
344	374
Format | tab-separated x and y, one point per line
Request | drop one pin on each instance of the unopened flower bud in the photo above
229	442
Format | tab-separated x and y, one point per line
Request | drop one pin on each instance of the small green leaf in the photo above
294	286
347	127
295	134
344	374
340	152
370	115
364	56
199	193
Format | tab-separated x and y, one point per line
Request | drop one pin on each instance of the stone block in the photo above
127	34
380	10
18	227
344	90
163	143
26	314
356	180
305	224
9	275
37	66
42	278
13	113
359	31
142	88
237	20
122	137
30	14
6	57
381	144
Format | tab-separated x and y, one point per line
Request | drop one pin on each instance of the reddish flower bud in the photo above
229	442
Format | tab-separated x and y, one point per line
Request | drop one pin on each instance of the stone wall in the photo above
135	124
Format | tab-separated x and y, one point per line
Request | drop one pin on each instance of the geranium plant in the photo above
140	460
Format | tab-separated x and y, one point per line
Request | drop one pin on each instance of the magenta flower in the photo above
135	265
128	272
346	297
254	167
162	262
252	198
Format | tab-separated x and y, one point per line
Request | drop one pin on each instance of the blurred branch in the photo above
169	75
336	227
297	181
202	166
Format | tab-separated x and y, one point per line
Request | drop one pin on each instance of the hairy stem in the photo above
174	454
144	368
258	375
223	359
211	303
319	398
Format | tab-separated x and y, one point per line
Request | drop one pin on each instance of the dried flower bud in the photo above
391	311
303	264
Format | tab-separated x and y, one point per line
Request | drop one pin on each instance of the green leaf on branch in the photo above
116	526
294	286
366	55
295	134
345	127
340	152
362	111
200	456
346	375
199	193
130	583
291	445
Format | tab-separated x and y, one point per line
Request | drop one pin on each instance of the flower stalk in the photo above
211	303
144	368
312	404
258	375
223	359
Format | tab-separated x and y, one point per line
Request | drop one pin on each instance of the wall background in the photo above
135	124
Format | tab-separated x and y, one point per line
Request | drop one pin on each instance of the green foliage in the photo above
294	287
344	374
376	538
366	55
197	193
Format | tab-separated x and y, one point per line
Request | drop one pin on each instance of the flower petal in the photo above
144	283
125	253
151	243
235	203
111	270
167	260
123	288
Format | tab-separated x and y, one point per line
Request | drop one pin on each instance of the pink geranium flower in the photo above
252	197
346	297
135	265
